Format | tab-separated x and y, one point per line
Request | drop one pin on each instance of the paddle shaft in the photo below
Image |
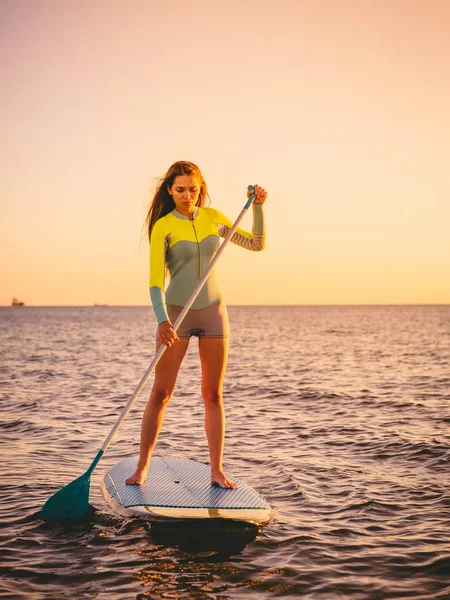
163	348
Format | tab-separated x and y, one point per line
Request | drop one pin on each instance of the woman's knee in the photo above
212	395
160	396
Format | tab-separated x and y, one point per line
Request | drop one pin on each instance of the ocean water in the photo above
339	416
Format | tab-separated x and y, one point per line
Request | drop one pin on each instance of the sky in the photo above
339	108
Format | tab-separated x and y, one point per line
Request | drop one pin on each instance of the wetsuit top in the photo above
187	247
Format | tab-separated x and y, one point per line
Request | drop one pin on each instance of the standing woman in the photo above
184	236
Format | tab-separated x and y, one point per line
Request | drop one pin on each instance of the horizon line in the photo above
229	305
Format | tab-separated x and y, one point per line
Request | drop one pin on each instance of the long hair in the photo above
162	203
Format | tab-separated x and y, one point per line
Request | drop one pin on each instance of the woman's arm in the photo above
256	240
158	244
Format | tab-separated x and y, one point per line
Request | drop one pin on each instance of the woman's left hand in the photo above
261	194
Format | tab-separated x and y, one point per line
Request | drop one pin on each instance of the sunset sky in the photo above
339	108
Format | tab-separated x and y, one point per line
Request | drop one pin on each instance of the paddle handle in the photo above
180	318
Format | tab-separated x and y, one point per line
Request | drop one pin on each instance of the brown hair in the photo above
162	203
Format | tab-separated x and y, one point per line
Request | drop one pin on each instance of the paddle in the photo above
72	501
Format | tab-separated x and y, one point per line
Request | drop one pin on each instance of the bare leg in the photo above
213	357
165	378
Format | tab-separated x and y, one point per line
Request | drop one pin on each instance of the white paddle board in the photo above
180	488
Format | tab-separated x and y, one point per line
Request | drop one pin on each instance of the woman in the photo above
184	235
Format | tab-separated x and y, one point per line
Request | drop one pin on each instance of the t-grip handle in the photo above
252	197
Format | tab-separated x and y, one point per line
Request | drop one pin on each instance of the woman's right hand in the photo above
167	334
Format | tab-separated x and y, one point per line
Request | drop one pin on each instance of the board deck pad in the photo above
181	488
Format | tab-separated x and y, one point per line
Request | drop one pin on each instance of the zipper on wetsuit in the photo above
198	250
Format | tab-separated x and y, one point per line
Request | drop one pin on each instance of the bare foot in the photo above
219	478
138	478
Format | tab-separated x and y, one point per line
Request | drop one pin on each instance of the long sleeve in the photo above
158	243
256	240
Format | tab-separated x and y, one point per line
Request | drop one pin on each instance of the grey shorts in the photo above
209	322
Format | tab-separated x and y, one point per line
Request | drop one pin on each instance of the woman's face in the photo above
185	191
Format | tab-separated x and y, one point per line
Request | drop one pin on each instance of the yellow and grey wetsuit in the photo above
187	247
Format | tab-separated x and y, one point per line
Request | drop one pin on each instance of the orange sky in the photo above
338	107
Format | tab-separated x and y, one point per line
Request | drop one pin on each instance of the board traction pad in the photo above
178	483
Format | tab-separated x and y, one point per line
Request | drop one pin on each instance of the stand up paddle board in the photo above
180	488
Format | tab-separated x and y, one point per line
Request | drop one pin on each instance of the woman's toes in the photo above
137	478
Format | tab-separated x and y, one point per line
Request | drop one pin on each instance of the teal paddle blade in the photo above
70	502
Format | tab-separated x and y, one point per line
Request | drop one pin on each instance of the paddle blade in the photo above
70	502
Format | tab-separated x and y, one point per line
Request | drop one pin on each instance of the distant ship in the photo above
16	302
95	304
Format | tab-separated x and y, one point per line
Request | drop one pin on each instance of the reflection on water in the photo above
214	536
344	429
